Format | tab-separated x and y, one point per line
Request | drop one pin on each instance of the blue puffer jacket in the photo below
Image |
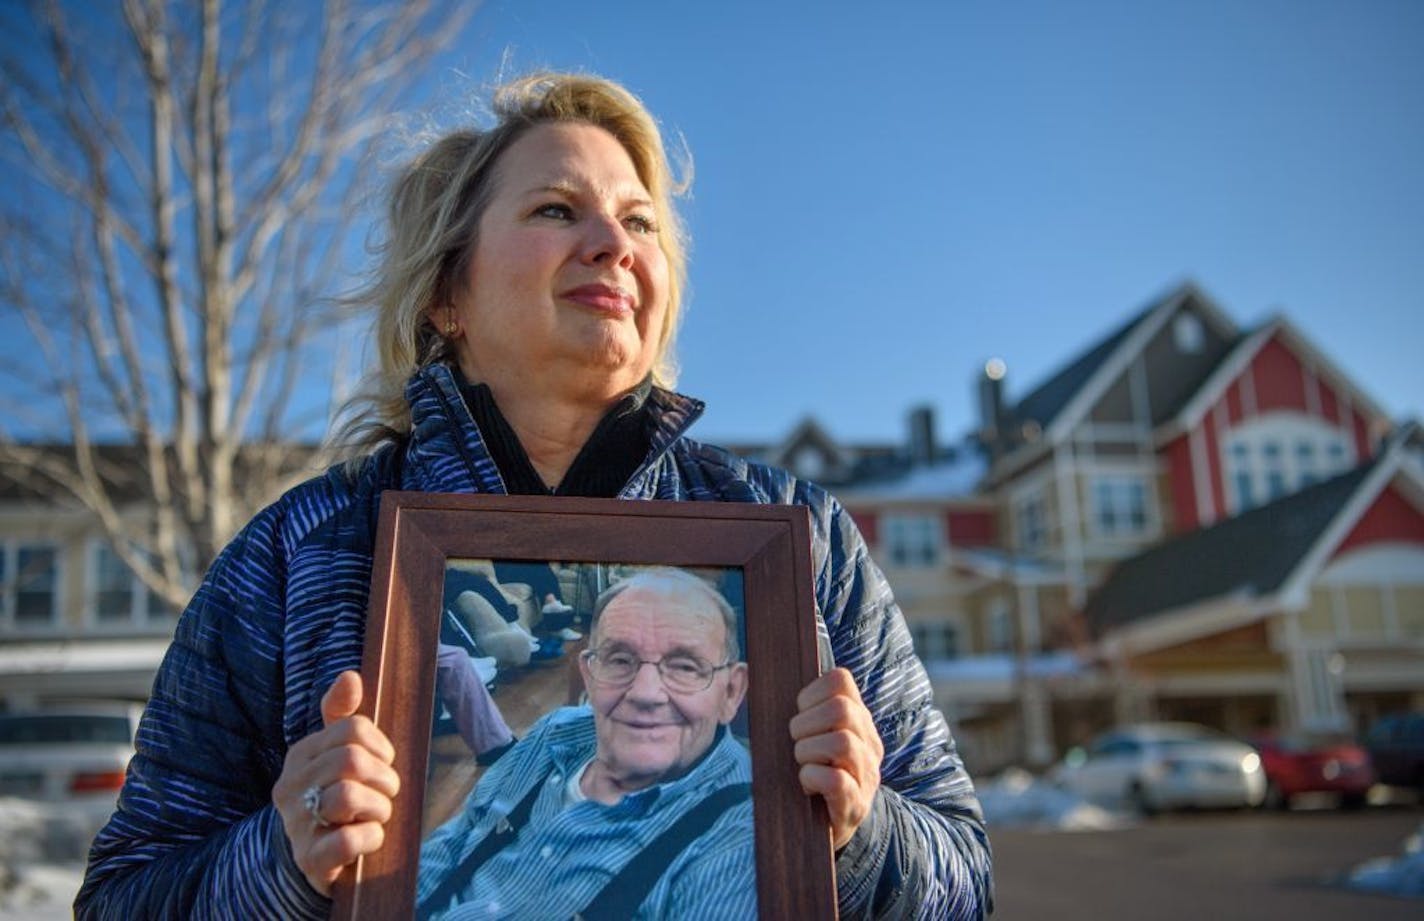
283	610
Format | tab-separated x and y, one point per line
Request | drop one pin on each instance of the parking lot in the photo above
1247	865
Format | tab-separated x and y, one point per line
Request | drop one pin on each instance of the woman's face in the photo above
567	288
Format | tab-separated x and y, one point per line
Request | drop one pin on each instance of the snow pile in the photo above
1004	667
42	851
1016	799
1403	875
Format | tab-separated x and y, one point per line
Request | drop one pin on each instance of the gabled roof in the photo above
1069	394
809	432
845	462
1164	416
1043	404
1252	554
1190	413
1270	553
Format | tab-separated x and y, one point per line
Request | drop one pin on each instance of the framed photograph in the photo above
589	701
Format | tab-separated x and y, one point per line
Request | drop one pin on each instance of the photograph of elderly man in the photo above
635	804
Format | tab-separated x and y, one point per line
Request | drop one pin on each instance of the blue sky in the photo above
885	199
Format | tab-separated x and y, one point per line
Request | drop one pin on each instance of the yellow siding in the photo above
1225	662
1366	610
1409	604
1317	620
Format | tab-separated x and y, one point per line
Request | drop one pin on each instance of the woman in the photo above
527	304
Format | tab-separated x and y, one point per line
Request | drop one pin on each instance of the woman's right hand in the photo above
349	761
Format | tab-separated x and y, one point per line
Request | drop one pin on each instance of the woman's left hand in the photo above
838	749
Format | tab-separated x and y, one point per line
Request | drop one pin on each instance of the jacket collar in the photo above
447	452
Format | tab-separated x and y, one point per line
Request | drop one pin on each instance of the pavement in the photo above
1221	866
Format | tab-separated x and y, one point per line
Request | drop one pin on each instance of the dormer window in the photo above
809	464
1188	334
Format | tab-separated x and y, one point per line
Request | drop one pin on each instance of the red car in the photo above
1300	763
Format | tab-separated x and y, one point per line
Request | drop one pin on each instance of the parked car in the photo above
1299	763
1155	766
1396	746
74	755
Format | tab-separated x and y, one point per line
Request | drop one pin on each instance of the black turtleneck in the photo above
618	444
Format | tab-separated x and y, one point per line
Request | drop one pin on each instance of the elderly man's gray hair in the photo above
667	580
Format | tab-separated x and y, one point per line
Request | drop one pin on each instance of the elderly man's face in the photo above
646	732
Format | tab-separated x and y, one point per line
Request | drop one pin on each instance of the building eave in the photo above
1207	396
1078	408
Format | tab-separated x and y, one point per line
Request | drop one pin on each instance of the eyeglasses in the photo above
683	673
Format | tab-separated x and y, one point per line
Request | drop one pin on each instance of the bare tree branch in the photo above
184	212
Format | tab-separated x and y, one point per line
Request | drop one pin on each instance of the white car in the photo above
1154	766
73	755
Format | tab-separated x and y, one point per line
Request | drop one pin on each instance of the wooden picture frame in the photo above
770	545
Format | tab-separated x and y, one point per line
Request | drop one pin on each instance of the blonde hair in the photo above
436	203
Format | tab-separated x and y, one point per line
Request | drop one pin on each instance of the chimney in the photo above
922	436
991	405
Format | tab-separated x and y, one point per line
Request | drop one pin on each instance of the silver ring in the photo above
311	801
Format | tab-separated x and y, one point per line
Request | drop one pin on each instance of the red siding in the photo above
1392	519
1183	484
1279	378
1234	413
1214	469
1363	448
970	528
1329	405
866	520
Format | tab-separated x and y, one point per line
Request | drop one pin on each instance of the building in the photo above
75	621
1188	520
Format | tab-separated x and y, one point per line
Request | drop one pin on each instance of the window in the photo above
1305	463
29	574
1188	334
912	540
935	640
1278	454
1275	470
1243	477
114	589
22	730
1031	521
809	464
1336	453
1114	746
1000	627
1120	505
117	597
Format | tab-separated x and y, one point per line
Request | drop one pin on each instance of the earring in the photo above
451	327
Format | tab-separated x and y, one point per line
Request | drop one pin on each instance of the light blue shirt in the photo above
567	853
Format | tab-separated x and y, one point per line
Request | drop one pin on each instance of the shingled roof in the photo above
1254	552
1043	404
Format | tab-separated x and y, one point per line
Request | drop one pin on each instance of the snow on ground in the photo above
1402	875
42	851
1017	799
43	846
